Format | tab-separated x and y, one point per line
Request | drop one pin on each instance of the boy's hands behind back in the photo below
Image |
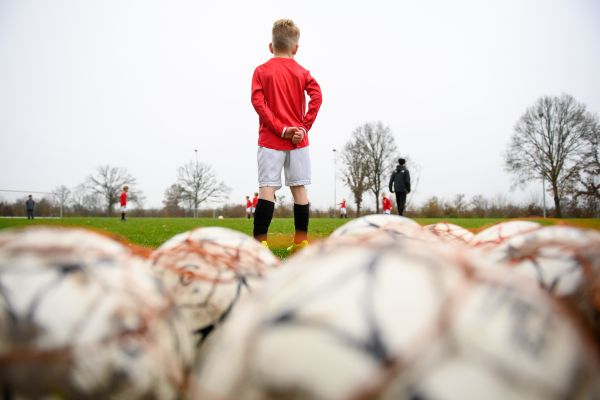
290	132
294	133
298	136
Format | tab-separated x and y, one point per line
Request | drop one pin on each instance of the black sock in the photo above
262	219
301	222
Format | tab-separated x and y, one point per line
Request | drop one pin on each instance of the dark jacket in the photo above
400	180
29	205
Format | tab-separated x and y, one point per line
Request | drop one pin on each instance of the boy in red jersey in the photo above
279	89
343	212
387	205
254	203
123	202
248	207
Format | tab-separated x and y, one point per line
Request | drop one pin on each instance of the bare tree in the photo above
588	188
480	206
378	146
108	181
199	184
61	195
355	172
459	204
548	143
173	199
84	202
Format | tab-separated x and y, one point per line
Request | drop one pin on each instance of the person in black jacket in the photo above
400	184
29	206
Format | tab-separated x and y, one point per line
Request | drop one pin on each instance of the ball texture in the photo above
81	316
208	271
498	233
403	321
450	232
564	261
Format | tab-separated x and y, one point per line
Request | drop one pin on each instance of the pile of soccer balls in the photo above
382	309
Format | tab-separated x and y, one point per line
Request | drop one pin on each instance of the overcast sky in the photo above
141	84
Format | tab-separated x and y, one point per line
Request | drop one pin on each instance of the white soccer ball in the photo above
498	233
220	217
399	322
450	232
379	229
565	261
83	317
208	270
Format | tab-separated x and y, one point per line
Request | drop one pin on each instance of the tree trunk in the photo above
357	209
557	206
556	201
376	202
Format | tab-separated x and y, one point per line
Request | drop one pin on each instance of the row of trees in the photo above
556	141
459	206
196	184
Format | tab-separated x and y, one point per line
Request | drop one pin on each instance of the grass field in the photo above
152	232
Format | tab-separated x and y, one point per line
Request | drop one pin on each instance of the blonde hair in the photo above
285	34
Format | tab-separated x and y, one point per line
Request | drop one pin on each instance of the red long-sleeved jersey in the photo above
254	201
387	204
123	199
278	96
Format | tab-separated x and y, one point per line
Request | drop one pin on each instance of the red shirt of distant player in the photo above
254	201
343	204
123	199
248	204
278	96
387	204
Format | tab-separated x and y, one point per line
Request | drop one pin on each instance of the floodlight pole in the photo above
195	172
334	179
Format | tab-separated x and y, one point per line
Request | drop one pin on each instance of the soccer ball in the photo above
208	270
220	217
83	317
564	261
403	321
450	232
498	233
379	229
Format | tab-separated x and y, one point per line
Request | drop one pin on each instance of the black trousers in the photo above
401	202
29	214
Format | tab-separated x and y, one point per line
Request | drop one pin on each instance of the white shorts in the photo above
342	211
248	210
387	211
295	164
123	209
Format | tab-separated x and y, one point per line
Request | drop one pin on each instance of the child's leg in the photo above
301	213
264	212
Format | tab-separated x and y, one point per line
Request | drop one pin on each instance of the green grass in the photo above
152	232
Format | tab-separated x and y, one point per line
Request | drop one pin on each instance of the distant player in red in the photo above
386	204
279	90
248	207
123	202
343	212
254	203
